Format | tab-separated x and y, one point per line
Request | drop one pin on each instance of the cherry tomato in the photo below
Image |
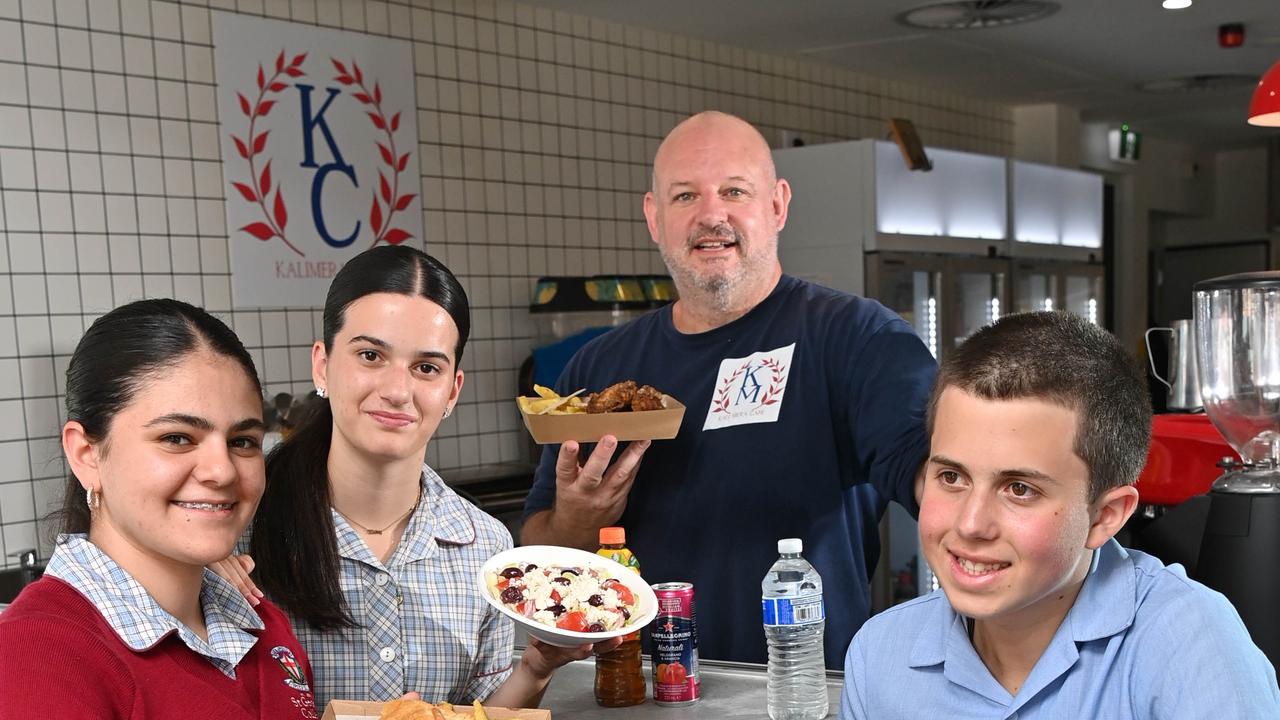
573	621
624	595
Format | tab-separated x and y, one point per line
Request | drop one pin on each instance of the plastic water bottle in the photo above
794	621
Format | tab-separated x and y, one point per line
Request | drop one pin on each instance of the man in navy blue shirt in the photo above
805	407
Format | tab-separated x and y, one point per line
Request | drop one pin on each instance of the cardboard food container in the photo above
589	427
365	710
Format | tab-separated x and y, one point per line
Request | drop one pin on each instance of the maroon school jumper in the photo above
60	659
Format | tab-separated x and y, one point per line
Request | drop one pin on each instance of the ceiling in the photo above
1090	54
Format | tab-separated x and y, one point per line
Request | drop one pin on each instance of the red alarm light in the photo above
1231	35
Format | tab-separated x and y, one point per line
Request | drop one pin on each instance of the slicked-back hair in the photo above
293	542
1064	359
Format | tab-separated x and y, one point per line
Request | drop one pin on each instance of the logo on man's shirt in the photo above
749	390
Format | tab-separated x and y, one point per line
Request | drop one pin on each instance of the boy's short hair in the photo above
1064	359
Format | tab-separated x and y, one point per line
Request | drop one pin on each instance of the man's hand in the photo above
588	497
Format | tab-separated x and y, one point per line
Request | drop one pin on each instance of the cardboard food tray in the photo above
364	710
588	427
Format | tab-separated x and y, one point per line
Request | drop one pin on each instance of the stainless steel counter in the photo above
730	691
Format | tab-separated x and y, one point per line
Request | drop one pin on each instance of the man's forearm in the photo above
549	528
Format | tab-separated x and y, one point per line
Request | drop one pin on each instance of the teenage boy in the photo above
1038	428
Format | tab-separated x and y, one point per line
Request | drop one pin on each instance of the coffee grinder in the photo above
1237	330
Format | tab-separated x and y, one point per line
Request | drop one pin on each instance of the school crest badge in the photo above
292	669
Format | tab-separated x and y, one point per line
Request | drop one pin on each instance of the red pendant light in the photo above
1265	107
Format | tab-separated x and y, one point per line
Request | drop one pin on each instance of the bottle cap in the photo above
613	536
790	546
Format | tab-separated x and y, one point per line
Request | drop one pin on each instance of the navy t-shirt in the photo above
803	417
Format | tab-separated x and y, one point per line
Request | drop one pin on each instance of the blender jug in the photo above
1237	328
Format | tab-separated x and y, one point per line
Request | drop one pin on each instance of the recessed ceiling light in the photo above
1175	4
974	14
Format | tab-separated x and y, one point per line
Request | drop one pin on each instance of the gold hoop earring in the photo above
447	410
92	499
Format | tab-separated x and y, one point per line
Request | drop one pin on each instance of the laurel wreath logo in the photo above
777	374
390	191
258	189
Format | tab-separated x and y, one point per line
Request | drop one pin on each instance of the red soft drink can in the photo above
675	645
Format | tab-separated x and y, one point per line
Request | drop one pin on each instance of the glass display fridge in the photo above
944	297
1076	287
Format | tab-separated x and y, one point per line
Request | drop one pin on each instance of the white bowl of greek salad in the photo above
567	597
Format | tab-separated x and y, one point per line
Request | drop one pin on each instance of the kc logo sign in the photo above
319	151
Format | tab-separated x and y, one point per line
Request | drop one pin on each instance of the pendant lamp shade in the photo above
1264	109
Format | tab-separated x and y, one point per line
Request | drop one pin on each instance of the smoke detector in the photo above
1198	84
974	14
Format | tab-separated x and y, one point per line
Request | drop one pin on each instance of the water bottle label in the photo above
794	611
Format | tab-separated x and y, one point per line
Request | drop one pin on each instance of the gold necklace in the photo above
371	531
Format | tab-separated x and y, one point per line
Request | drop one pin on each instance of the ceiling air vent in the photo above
971	14
1198	84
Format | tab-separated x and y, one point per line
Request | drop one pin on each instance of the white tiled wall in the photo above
537	132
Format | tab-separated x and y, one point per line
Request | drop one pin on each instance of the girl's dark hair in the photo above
118	355
293	542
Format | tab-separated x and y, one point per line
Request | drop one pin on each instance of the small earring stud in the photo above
321	392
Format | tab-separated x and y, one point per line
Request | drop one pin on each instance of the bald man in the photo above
805	407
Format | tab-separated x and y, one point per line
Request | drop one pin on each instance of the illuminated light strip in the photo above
931	325
1048	303
995	309
1093	310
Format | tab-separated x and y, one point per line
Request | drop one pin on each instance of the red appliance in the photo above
1183	460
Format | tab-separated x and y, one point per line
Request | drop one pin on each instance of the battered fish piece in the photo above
613	398
647	398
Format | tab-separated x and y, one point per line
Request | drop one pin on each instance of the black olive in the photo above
529	567
557	610
512	595
595	600
561	580
511	573
595	627
626	614
570	571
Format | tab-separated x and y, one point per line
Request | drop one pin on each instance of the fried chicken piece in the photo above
615	397
647	398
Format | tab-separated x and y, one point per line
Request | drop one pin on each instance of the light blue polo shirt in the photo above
1141	641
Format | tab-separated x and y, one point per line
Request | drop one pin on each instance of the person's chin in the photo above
390	447
204	551
977	608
